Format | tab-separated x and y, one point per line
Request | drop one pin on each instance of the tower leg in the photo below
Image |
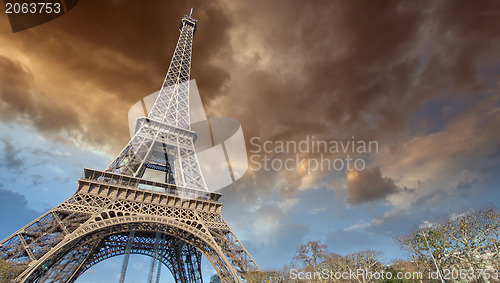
158	271
154	260
127	257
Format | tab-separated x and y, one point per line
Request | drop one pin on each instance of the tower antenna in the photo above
191	13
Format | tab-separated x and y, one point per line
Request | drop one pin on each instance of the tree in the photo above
474	238
8	271
310	255
464	239
337	262
368	260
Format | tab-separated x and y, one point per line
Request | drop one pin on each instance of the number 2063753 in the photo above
33	8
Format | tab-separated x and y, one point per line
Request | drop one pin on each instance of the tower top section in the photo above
188	20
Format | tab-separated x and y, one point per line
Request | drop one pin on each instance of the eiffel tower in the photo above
122	211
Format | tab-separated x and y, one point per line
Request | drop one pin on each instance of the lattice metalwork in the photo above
117	211
95	224
164	138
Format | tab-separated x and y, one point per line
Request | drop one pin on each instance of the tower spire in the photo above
172	104
191	12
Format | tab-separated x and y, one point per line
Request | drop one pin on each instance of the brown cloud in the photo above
368	185
14	82
20	102
100	58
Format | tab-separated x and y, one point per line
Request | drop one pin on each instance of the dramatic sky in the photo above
420	78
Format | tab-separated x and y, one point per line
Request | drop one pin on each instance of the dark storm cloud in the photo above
101	58
20	102
212	41
334	63
368	185
362	66
468	35
372	76
15	83
125	46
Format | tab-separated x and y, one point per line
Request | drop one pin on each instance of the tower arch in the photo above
107	240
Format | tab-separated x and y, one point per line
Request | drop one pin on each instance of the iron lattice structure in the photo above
120	211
